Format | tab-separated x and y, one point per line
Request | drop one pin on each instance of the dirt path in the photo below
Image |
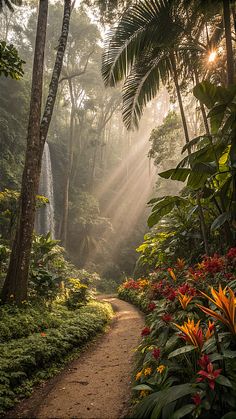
97	385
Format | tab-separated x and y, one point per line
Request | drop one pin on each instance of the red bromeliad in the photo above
231	253
151	306
156	353
167	317
197	399
210	375
146	331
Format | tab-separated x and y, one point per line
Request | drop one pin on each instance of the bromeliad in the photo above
225	304
193	333
184	300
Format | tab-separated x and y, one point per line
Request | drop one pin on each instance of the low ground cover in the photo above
187	357
40	343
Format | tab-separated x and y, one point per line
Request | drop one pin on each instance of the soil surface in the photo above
97	385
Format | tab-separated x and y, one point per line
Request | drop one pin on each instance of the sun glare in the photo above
212	56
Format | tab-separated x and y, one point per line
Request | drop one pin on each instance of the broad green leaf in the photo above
170	395
164	207
223	381
229	354
183	411
229	415
216	116
180	174
180	351
195	141
197	180
215	357
219	221
206	93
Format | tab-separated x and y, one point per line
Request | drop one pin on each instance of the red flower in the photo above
231	253
146	331
171	295
131	284
204	361
187	289
213	264
196	399
167	317
156	353
151	306
210	375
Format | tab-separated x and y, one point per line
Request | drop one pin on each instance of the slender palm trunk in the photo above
231	78
185	128
15	286
228	39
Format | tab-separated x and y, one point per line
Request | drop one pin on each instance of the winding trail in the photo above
97	384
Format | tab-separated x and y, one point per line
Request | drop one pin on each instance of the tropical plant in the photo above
10	62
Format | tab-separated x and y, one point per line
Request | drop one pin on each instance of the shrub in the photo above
26	360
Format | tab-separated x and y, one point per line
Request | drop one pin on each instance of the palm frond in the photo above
142	85
142	26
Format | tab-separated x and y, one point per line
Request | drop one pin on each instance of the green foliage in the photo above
37	343
10	62
191	373
77	293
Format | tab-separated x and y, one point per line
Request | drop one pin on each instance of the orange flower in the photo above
210	330
192	333
180	263
225	304
172	274
143	283
184	300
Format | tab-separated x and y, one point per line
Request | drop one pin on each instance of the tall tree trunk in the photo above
186	134
16	282
228	39
64	224
53	86
15	286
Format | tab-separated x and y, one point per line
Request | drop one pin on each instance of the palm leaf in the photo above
142	85
141	27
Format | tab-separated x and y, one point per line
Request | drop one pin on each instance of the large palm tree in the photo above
144	49
152	42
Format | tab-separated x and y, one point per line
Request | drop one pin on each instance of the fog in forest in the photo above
97	176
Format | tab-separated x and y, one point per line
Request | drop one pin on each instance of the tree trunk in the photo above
186	134
15	286
16	282
52	92
64	224
228	38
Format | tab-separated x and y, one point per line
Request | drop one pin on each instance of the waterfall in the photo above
45	221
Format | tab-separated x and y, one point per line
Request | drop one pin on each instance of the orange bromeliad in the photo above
193	333
184	300
172	274
225	304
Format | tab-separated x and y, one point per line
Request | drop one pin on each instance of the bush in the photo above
77	293
29	355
